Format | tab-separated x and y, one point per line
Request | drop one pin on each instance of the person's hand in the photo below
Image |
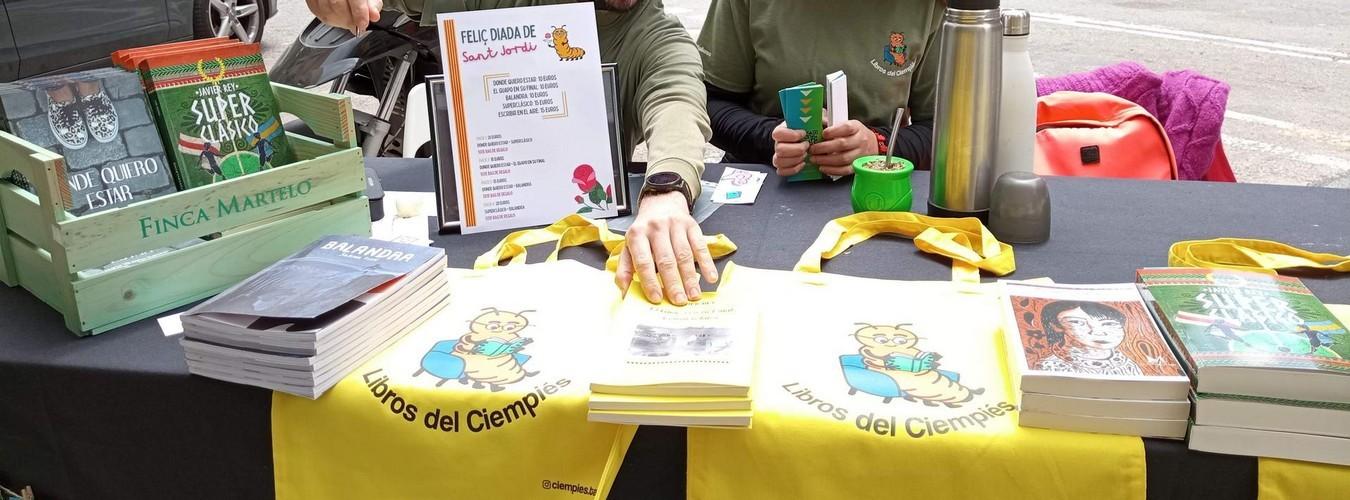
789	150
664	246
840	145
353	15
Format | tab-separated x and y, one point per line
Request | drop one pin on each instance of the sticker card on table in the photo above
738	187
528	121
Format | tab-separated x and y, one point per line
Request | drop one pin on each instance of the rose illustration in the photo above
594	196
584	178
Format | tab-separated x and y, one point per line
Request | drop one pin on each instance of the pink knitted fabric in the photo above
1190	106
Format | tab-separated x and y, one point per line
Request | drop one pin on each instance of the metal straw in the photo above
890	143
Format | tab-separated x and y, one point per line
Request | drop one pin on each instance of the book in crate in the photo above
99	121
67	260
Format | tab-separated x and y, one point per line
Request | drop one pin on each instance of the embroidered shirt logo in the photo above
895	58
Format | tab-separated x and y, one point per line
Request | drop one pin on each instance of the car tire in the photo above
207	16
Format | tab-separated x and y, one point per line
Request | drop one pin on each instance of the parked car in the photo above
38	37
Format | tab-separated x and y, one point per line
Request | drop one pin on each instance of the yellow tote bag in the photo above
487	400
878	389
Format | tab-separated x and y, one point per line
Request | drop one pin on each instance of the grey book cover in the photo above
322	277
100	122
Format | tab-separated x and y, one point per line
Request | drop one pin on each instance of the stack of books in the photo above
1270	361
1090	358
304	323
688	366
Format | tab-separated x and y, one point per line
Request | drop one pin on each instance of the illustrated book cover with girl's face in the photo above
1086	330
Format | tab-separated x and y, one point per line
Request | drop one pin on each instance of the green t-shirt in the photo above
761	46
661	91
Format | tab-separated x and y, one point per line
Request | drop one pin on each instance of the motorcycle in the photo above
384	63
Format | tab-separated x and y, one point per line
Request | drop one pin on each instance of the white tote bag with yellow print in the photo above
487	400
877	389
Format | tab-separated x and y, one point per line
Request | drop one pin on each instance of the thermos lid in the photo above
1016	22
972	4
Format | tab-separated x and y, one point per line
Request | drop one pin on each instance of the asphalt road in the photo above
1288	119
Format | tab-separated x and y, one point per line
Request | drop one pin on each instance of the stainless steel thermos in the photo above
965	124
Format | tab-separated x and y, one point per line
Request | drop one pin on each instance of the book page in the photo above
708	342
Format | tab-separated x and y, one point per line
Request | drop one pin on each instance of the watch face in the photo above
663	179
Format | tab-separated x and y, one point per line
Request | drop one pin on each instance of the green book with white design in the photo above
803	109
1252	334
216	113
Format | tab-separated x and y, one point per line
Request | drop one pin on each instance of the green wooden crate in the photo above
256	220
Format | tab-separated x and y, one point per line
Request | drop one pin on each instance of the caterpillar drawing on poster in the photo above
559	43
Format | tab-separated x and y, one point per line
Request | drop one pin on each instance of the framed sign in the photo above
443	156
528	123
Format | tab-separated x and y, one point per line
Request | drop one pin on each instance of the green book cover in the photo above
216	113
803	107
1242	319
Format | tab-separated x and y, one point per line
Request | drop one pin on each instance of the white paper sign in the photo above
528	118
171	325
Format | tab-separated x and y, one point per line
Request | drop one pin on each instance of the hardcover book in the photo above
1095	341
100	122
1252	334
216	113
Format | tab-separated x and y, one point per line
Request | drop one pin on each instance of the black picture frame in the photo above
443	154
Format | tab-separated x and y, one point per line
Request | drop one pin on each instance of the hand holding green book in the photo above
803	109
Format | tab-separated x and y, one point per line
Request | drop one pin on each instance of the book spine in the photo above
1170	333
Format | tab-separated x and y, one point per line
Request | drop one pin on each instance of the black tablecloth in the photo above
117	415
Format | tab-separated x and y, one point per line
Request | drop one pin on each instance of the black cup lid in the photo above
972	4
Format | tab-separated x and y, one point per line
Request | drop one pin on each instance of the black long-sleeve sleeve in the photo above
747	136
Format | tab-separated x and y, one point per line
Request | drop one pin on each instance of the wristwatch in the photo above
665	182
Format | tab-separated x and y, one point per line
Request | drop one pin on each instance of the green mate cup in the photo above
878	190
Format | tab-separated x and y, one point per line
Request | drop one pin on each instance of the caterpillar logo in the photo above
558	41
488	356
890	365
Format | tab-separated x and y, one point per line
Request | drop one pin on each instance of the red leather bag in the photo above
1100	135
